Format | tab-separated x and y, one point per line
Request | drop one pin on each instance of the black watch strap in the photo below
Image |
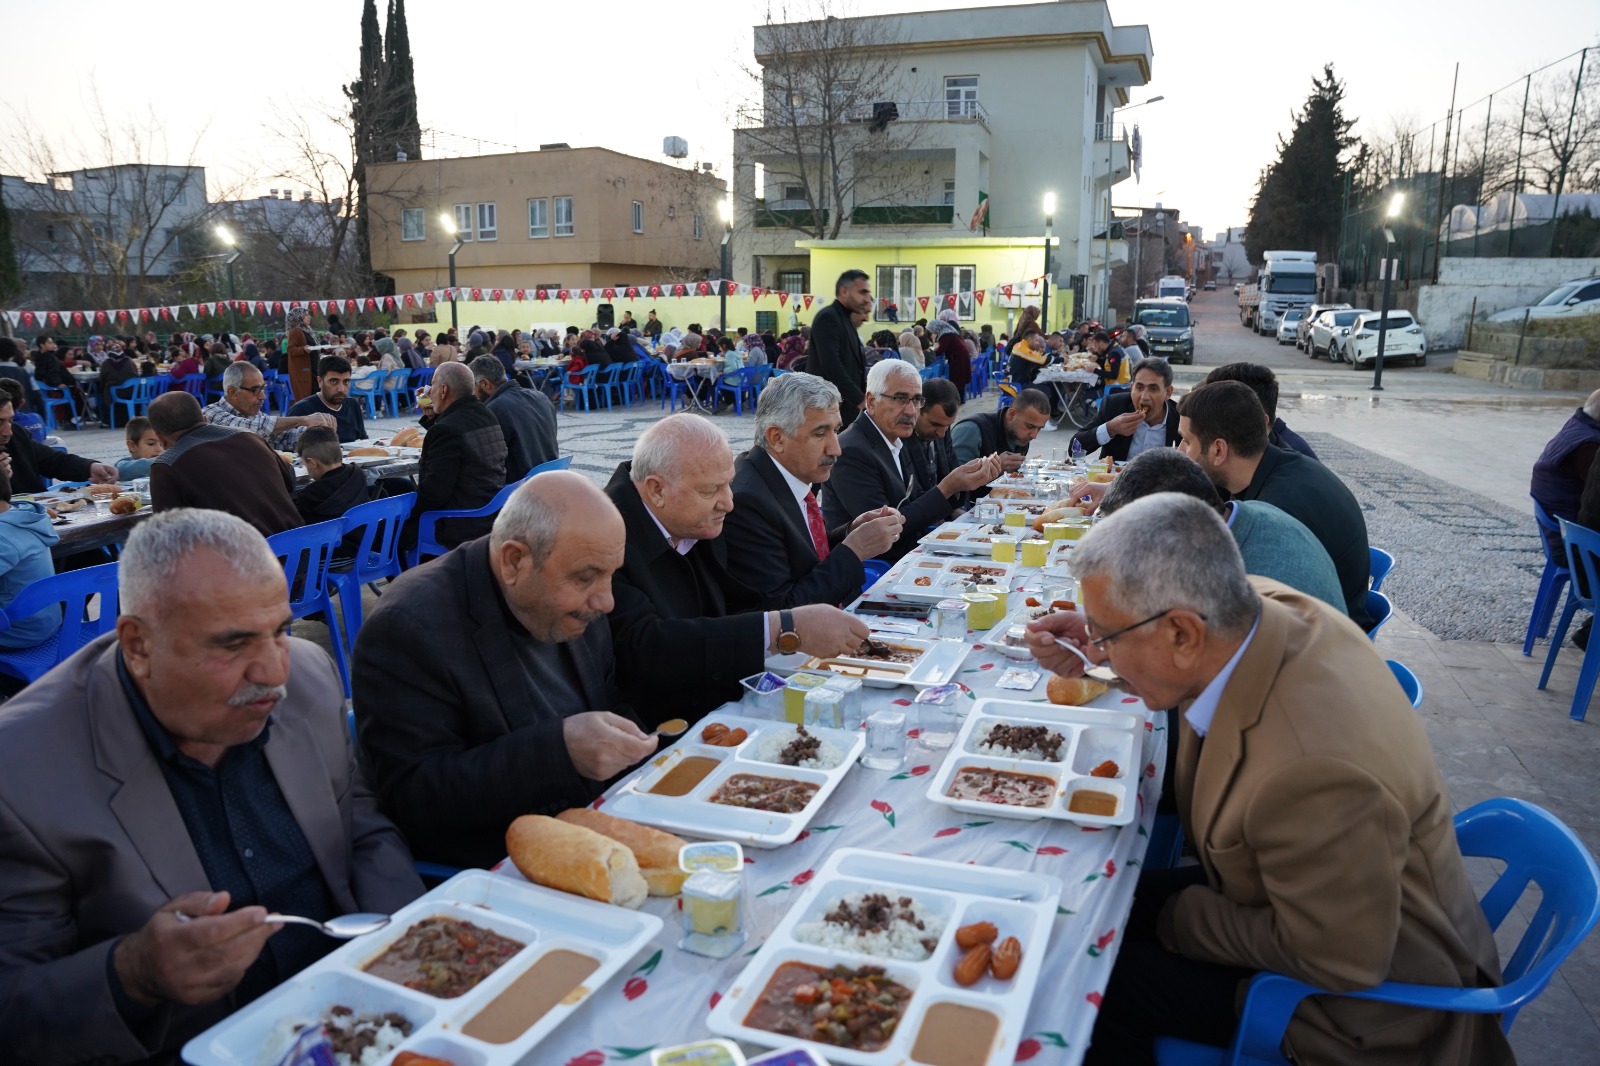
785	621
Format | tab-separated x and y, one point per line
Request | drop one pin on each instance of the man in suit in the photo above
463	461
217	467
507	702
929	444
876	469
685	629
526	416
1224	429
836	353
162	791
1006	433
1323	827
776	519
1133	422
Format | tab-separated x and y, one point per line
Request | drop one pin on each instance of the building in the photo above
930	156
555	218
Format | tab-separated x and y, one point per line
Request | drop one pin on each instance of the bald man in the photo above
507	703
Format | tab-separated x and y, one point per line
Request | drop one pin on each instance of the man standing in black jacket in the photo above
463	460
836	353
526	417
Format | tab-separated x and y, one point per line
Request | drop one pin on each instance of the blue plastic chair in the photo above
612	383
305	555
583	389
376	557
213	390
428	543
1379	564
633	381
874	570
367	390
1536	848
1555	575
55	398
193	384
422	377
278	397
1583	550
30	423
71	591
395	393
1409	682
1378	609
740	385
135	395
673	390
1008	396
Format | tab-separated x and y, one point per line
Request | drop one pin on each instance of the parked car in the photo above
1168	328
1289	325
1331	327
1237	289
1405	340
1580	296
1302	336
1211	286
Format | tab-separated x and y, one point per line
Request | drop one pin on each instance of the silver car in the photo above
1302	336
1331	328
1289	325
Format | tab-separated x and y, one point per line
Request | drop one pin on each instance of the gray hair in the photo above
233	377
886	370
660	448
488	368
1176	552
1591	406
785	401
455	377
528	519
159	548
1159	470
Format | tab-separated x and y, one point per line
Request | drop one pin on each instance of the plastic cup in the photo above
1054	531
952	622
983	609
1016	518
1003	550
1034	552
886	741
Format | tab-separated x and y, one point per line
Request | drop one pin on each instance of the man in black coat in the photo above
685	629
778	542
527	417
463	461
1133	422
32	462
1264	383
835	353
929	444
1006	433
484	682
875	468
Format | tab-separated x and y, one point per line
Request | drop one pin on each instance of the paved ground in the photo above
1440	465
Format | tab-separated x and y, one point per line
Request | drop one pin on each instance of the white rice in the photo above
902	940
770	746
976	745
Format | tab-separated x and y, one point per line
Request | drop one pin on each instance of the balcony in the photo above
904	215
1111	142
879	112
788	214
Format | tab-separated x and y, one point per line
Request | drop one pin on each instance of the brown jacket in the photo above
1326	834
224	469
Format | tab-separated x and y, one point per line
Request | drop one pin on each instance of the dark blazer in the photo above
528	421
769	542
865	479
457	745
836	354
33	461
685	629
936	458
1120	403
226	469
463	465
1281	436
92	844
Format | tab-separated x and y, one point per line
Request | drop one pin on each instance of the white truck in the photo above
1287	280
1172	287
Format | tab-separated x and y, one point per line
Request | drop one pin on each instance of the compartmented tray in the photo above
934	663
571	948
929	578
942	1021
972	538
693	811
1032	785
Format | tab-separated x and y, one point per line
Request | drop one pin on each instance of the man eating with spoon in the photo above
162	791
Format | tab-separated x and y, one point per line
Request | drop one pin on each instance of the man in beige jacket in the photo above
1307	786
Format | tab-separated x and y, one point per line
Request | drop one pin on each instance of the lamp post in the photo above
1396	202
1049	221
449	222
725	211
226	236
1111	128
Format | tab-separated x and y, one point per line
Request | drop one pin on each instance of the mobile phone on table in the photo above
910	610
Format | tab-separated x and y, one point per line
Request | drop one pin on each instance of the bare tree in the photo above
1563	132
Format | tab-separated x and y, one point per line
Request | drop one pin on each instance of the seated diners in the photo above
463	461
875	468
1134	422
508	703
143	447
527	418
931	448
334	488
778	543
332	398
685	629
243	392
32	461
163	790
218	468
1224	429
1264	383
1326	846
1005	433
26	538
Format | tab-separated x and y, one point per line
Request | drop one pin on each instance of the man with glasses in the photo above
1005	433
1309	789
243	389
876	469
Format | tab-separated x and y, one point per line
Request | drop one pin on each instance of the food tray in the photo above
694	814
543	919
1020	904
944	579
937	662
1095	735
1018	489
970	538
1020	615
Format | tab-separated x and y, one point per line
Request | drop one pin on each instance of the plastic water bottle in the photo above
1076	451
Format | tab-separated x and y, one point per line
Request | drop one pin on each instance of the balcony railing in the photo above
884	111
1110	131
903	215
789	214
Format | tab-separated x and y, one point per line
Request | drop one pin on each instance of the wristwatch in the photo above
788	639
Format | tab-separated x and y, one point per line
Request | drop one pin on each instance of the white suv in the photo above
1580	296
1330	328
1405	340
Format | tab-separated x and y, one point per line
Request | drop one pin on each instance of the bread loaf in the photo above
368	451
406	438
655	851
574	859
1075	691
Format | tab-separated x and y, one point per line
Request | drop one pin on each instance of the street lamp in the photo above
226	237
1396	202
725	211
449	222
1049	221
1111	128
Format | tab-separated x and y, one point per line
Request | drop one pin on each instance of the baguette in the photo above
406	438
655	851
574	859
368	451
1075	691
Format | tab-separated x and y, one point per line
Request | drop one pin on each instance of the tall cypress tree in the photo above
400	83
10	273
368	121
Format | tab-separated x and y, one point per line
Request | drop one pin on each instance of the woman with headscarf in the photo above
300	359
957	360
793	349
252	355
911	349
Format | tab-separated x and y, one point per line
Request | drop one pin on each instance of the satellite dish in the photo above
675	148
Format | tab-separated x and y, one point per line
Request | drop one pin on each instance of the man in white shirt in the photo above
1133	422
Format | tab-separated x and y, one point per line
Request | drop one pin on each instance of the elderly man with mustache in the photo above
162	792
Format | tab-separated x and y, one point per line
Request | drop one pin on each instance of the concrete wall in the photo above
1495	283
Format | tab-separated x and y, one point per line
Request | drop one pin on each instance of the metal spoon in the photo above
670	728
1088	664
344	927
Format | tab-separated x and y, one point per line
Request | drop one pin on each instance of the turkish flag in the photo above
732	287
608	294
807	298
703	288
497	295
655	290
349	307
586	294
633	292
783	298
77	318
1007	290
540	294
757	292
979	297
680	290
950	300
923	301
388	303
410	299
477	294
562	294
27	319
432	296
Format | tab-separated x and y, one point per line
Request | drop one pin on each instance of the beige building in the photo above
558	218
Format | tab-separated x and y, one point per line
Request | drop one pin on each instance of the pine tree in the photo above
400	83
10	273
368	119
1299	197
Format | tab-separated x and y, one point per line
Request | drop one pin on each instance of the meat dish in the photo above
443	957
859	1009
775	795
1001	786
1025	741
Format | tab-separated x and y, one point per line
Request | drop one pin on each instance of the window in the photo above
897	284
961	280
794	192
949	192
791	281
463	213
412	227
638	217
175	191
699	226
487	230
961	97
538	218
564	226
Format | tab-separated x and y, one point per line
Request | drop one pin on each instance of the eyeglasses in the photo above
906	399
257	389
1101	642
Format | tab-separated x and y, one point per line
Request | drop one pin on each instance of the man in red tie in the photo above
778	543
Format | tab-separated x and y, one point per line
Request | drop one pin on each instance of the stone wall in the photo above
1496	284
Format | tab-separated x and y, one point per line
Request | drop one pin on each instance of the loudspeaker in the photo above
605	315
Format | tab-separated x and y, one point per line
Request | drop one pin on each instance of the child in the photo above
25	540
334	488
143	446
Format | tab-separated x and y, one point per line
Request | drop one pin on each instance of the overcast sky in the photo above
626	74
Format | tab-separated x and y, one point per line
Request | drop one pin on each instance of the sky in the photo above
626	74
